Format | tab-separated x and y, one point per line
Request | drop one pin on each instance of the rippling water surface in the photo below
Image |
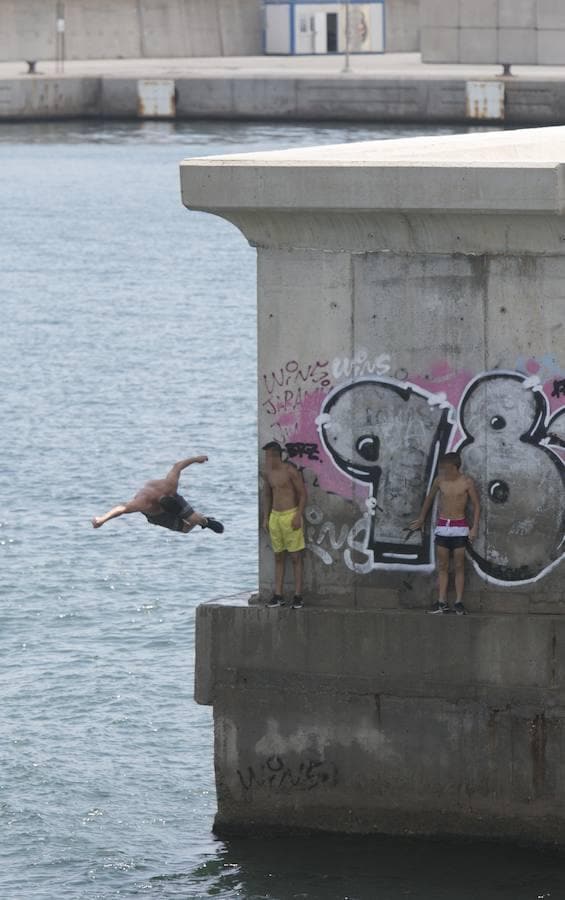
128	341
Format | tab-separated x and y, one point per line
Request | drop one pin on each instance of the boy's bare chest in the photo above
279	479
453	490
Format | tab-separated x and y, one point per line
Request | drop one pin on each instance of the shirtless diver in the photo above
161	504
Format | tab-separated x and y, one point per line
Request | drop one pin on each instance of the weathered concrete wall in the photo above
526	32
285	95
394	722
112	29
50	98
402	26
411	298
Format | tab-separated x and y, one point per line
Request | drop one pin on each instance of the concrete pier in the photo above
393	87
385	721
410	301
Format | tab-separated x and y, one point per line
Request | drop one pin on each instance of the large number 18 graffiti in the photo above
388	434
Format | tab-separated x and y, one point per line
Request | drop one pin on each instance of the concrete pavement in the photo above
385	65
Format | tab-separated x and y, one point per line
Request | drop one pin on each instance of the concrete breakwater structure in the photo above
410	302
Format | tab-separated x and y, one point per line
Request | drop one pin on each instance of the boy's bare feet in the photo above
96	522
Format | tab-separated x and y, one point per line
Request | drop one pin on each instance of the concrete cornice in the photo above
487	172
300	197
218	185
400	232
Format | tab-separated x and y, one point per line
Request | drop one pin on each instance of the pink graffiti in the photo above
443	380
440	369
296	411
532	366
555	402
300	427
286	419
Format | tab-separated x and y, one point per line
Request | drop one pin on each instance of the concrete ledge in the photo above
378	650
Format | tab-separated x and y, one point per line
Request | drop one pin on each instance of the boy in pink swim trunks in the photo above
284	499
452	530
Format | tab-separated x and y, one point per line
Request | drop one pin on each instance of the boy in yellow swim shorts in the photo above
284	499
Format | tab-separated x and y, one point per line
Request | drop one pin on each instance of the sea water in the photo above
128	341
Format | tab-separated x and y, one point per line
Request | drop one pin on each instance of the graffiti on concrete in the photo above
507	449
558	388
361	364
276	775
291	417
389	435
299	449
287	387
326	542
370	433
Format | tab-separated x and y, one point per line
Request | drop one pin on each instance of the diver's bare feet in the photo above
96	522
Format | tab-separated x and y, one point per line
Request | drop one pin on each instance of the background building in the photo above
303	27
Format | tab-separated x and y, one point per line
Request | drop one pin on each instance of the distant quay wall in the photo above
282	96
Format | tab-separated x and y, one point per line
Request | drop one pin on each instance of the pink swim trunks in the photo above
451	528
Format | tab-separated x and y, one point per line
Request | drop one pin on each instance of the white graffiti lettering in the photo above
352	540
361	364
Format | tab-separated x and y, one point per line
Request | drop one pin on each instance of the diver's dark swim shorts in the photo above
175	509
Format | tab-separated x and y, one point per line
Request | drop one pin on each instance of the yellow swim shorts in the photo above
283	535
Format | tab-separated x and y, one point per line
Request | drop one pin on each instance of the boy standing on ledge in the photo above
452	531
284	499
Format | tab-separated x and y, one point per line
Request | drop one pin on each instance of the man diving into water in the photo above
162	505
